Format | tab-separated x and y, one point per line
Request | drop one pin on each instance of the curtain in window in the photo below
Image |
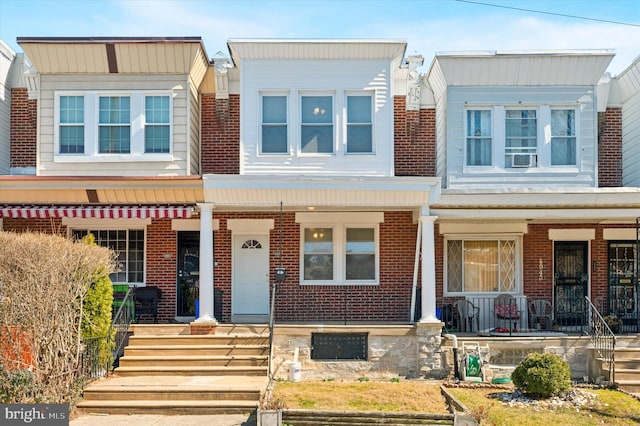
563	137
480	266
479	138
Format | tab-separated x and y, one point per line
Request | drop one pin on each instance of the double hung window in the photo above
274	125
157	127
114	125
479	139
359	124
129	247
340	254
316	130
482	265
521	139
71	131
563	137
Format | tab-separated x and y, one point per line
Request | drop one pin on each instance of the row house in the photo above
330	185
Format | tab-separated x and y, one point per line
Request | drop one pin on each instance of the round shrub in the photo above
543	375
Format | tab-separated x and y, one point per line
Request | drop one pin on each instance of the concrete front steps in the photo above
165	370
628	369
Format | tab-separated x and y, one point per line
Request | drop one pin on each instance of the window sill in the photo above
340	284
479	170
112	158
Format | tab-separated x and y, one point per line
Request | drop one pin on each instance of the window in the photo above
563	137
114	125
317	124
129	247
479	139
274	125
101	126
71	125
521	139
359	125
157	127
481	266
340	254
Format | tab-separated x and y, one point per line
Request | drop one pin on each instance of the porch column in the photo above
428	270
206	264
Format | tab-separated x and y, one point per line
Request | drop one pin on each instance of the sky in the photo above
428	26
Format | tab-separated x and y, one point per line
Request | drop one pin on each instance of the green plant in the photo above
395	380
614	323
544	375
363	379
17	386
97	309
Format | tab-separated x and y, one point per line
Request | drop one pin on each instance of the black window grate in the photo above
333	346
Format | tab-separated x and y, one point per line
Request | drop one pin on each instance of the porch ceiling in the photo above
80	190
231	191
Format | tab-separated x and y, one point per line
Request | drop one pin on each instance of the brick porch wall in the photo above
23	128
161	265
389	301
220	144
610	148
44	226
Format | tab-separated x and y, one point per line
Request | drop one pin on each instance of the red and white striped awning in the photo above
97	212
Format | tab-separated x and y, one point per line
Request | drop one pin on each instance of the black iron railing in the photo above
603	339
95	361
119	330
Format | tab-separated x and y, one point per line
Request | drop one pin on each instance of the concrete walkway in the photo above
161	420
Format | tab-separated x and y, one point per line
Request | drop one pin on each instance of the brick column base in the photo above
198	329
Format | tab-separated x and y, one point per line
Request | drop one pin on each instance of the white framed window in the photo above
113	126
563	137
340	248
129	245
359	124
521	138
526	137
157	124
316	124
478	137
339	254
71	127
275	129
482	265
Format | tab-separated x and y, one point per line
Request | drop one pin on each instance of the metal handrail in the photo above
271	325
602	338
119	329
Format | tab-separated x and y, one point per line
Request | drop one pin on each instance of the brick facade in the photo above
610	148
161	265
44	226
414	140
220	144
23	128
536	247
388	301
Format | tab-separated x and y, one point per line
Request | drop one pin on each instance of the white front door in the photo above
250	292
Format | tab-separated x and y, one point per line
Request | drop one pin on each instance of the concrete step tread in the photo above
160	347
164	404
191	357
227	369
165	388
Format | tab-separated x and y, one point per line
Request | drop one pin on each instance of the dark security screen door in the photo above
571	278
188	272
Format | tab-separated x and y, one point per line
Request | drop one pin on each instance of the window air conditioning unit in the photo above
524	160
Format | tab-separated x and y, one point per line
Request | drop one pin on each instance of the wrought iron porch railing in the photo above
95	361
603	339
119	330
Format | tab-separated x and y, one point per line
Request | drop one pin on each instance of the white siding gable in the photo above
322	77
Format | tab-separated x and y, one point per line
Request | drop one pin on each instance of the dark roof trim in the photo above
64	40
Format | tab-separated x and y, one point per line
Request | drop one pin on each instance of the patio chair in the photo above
540	311
147	299
506	310
467	312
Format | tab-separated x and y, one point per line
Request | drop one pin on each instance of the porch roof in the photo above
234	191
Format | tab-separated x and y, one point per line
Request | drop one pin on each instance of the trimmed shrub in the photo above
543	375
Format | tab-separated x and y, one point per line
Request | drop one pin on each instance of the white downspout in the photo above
416	267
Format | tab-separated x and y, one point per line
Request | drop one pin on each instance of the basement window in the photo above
339	346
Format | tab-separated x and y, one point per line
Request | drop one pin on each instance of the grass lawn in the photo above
611	408
413	396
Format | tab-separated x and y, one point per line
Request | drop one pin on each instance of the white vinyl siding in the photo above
326	152
630	138
135	163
